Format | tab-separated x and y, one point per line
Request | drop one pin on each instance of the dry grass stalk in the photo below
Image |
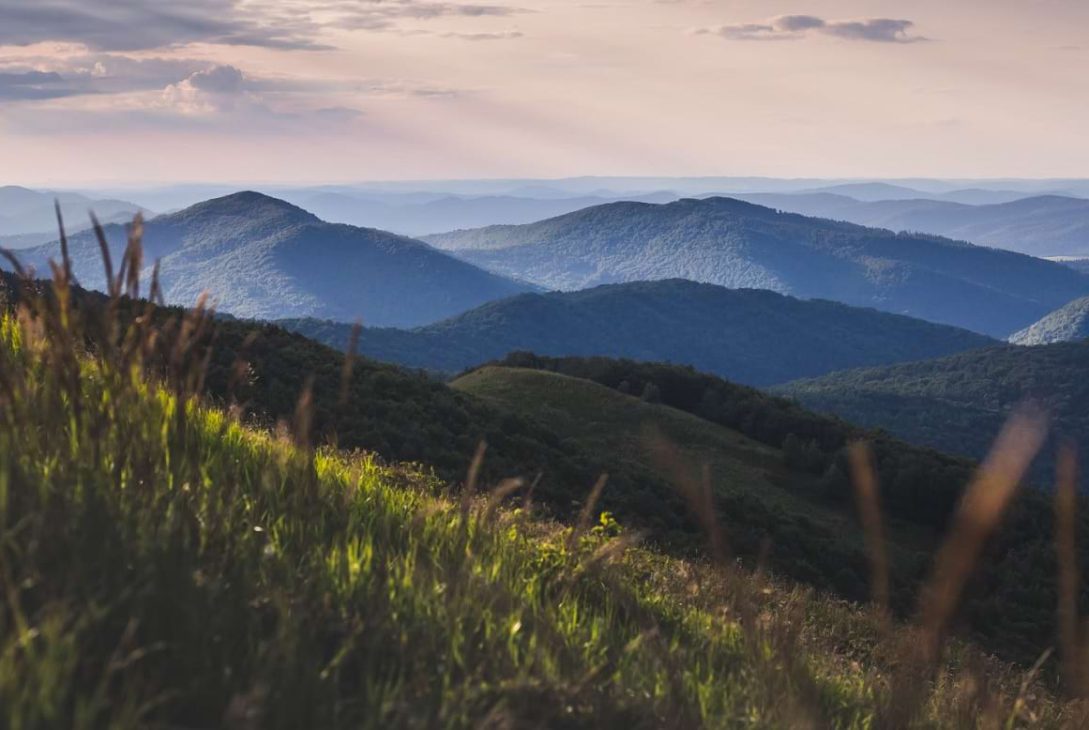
980	510
349	362
864	478
304	415
498	495
1066	506
471	479
696	490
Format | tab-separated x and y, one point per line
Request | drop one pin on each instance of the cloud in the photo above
796	27
29	78
385	14
131	25
879	30
141	25
33	85
218	89
797	23
501	36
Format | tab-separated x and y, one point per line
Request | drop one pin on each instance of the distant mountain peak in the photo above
249	204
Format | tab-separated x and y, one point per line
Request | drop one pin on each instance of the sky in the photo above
308	91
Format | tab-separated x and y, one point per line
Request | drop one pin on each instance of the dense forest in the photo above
719	330
958	403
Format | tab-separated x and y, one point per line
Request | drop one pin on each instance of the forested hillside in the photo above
736	244
1066	324
748	335
959	403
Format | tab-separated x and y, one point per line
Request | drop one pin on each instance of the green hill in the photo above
748	335
740	245
764	501
163	565
1011	605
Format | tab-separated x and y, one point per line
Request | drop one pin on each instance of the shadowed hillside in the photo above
752	336
959	403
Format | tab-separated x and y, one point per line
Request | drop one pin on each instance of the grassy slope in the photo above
764	504
162	564
1010	606
403	415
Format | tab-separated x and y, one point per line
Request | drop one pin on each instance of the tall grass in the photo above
162	565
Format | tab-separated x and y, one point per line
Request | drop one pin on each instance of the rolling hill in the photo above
713	431
958	403
263	258
736	244
1044	225
749	335
1066	324
759	494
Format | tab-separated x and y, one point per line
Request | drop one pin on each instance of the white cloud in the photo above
796	27
218	89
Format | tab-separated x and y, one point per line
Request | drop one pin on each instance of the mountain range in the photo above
742	245
260	257
1048	225
752	336
413	216
28	217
